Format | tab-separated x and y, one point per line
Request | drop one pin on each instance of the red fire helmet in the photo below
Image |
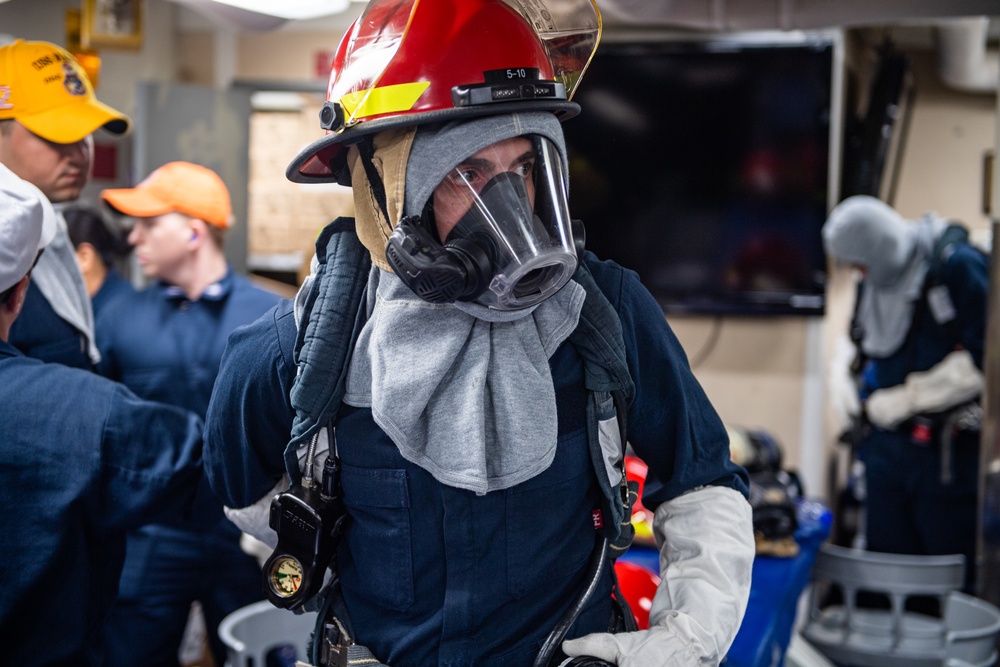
409	62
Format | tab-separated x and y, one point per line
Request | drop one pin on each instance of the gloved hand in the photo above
254	520
887	408
707	549
656	646
952	381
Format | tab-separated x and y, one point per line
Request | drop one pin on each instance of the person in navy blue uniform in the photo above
165	343
82	460
921	314
99	252
467	431
47	117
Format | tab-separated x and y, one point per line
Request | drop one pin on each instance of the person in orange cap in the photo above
165	343
48	113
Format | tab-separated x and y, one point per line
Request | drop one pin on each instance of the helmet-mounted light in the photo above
331	117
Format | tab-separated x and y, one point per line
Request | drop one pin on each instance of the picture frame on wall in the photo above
115	24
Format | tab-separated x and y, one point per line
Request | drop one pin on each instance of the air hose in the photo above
598	561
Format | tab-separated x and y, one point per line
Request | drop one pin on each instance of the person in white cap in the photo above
82	460
920	325
48	113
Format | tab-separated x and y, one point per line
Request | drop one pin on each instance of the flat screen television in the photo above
706	166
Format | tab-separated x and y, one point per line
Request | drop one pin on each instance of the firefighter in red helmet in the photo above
456	403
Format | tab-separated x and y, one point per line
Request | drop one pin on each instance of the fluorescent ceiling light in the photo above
296	10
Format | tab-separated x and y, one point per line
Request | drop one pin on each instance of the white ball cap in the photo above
27	224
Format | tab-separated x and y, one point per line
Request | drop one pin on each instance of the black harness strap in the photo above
367	149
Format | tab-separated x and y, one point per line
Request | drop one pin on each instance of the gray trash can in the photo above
250	632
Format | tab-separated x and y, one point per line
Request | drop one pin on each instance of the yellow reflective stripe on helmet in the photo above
385	99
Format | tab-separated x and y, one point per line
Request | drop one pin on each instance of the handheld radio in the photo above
309	521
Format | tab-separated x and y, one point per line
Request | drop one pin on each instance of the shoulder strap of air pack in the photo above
598	338
331	319
952	235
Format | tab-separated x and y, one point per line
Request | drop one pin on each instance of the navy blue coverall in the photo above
41	333
82	460
112	287
166	347
434	575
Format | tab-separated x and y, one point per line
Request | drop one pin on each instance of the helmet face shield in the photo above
506	204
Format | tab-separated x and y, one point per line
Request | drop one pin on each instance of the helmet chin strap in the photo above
366	148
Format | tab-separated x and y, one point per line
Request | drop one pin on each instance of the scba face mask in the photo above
495	231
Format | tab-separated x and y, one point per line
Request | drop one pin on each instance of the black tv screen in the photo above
704	167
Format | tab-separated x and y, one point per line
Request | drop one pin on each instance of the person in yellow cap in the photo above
165	343
48	113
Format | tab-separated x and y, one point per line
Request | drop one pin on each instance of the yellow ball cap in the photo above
45	89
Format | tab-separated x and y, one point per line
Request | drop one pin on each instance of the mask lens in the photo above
510	201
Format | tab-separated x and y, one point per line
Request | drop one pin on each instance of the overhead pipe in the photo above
785	14
964	61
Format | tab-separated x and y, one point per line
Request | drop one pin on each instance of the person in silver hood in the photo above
920	324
